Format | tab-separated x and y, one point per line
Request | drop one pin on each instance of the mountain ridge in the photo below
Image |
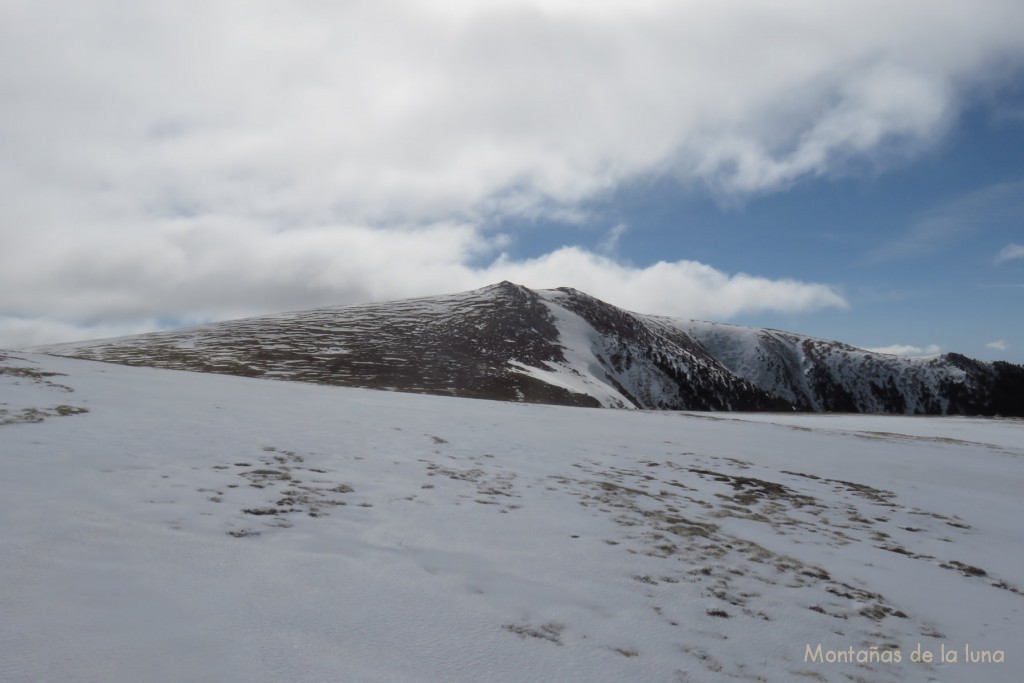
563	346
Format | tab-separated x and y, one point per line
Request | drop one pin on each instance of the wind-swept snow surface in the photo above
174	526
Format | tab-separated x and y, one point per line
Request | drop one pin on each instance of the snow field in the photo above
169	526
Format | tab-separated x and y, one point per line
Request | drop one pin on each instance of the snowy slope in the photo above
648	360
176	526
469	344
821	375
565	347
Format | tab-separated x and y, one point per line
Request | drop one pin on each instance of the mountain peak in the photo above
504	285
508	342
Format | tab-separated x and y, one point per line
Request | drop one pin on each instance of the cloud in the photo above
19	333
1009	253
610	243
196	159
377	110
999	345
996	207
203	270
683	288
907	350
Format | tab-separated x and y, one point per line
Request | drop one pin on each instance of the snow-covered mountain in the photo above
820	375
565	347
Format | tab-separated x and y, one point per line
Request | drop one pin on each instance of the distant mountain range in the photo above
561	346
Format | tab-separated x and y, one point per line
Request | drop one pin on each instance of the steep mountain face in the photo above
562	346
650	362
819	375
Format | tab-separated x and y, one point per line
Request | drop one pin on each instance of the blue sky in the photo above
800	165
912	245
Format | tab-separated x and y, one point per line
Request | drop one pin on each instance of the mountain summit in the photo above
562	346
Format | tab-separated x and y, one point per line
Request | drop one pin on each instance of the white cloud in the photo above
1010	252
999	345
195	159
998	207
907	350
374	110
19	333
684	288
204	270
610	243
